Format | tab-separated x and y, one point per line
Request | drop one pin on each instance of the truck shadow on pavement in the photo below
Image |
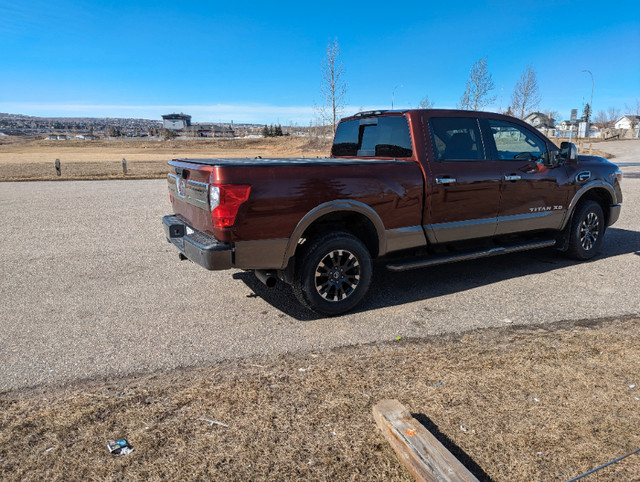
392	289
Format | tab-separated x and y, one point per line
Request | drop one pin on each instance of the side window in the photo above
456	139
373	137
516	142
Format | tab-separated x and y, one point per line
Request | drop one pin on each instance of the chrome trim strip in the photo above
583	176
460	230
513	177
530	221
196	193
445	180
405	238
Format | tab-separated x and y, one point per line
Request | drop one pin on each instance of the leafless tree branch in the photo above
526	95
333	89
476	94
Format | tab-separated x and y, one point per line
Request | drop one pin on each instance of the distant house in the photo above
176	122
211	130
567	125
540	120
627	122
223	131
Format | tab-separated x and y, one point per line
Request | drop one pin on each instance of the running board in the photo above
434	261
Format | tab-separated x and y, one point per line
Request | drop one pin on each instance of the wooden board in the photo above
421	453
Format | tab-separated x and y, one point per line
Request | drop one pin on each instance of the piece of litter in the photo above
536	400
334	433
411	432
463	428
539	453
633	385
304	369
49	449
507	320
119	447
438	384
213	422
398	338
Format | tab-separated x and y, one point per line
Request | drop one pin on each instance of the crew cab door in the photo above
533	196
463	186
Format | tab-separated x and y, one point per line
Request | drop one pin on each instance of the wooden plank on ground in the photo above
421	453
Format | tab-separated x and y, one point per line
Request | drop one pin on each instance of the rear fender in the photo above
343	205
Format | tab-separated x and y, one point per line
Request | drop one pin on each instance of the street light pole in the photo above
591	104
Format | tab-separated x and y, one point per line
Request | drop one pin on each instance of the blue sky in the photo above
260	61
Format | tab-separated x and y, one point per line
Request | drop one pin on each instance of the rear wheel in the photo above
587	229
333	274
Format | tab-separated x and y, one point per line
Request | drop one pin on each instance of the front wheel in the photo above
333	274
587	229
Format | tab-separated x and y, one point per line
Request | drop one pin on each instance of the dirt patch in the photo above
31	159
520	403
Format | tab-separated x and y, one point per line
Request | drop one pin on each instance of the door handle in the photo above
512	177
445	180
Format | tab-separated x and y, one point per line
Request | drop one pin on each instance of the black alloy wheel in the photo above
587	230
333	274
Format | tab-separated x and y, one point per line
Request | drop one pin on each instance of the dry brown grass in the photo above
537	403
33	159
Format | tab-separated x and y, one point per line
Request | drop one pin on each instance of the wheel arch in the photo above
597	191
351	216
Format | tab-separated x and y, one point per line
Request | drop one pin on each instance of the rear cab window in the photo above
373	137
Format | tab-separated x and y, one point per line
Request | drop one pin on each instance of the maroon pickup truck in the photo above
412	188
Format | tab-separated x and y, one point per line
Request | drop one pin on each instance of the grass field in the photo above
535	403
34	159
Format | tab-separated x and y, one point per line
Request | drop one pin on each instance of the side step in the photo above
436	260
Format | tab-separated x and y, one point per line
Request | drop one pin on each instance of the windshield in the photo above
373	137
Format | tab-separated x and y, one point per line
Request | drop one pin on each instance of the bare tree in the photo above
633	109
426	103
613	115
601	119
476	94
526	95
333	88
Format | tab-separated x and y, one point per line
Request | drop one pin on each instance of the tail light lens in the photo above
225	200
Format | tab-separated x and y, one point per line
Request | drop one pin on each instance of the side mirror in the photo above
568	151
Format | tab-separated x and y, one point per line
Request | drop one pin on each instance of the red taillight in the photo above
225	200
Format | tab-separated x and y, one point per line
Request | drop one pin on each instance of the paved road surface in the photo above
90	287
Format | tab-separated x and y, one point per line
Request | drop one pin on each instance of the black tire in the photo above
333	274
587	230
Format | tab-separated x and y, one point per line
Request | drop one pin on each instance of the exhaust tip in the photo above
267	278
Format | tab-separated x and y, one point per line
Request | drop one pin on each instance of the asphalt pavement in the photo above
90	288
